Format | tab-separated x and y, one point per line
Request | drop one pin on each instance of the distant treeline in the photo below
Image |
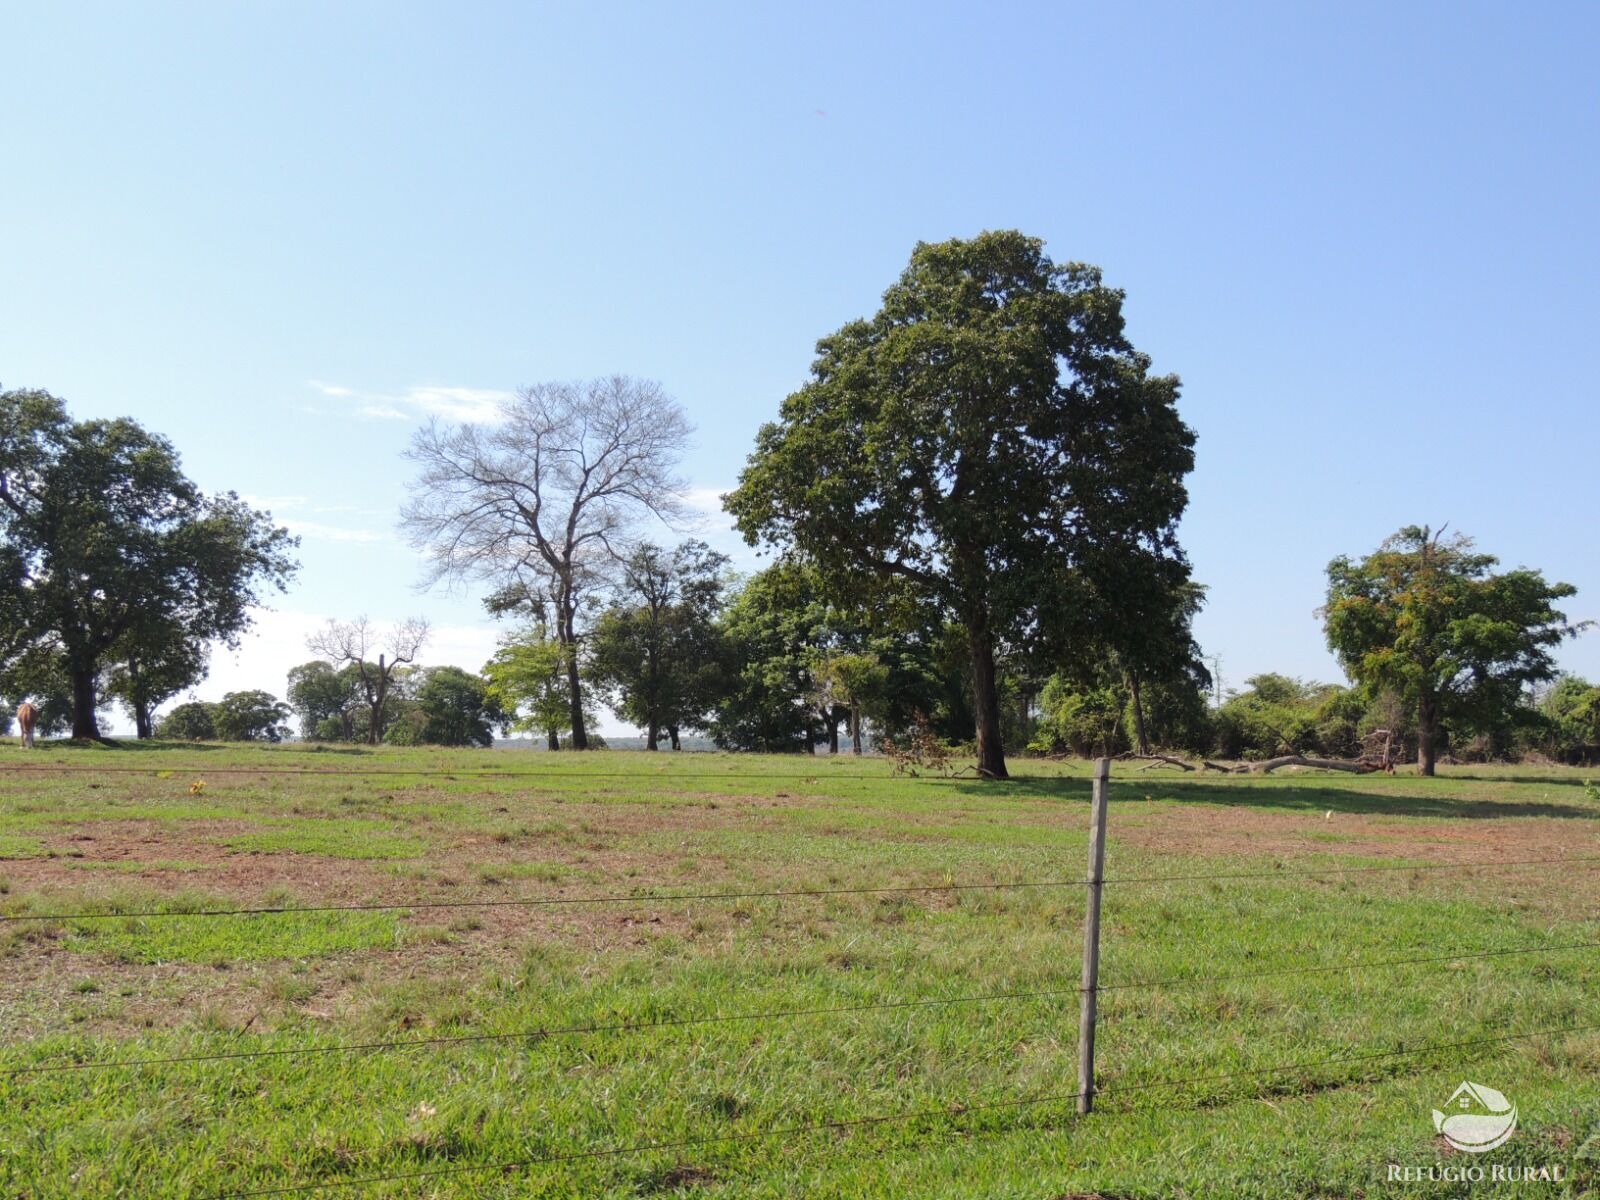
1277	714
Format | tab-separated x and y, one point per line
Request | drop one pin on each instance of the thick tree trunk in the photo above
672	734
569	640
552	738
1138	713
855	730
653	691
1427	736
833	732
985	698
580	736
379	693
84	724
140	705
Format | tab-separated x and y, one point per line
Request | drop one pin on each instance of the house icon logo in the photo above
1476	1118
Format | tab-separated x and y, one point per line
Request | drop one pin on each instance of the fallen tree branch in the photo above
1159	760
1354	766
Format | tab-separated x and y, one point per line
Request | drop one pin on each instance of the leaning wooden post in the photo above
1090	990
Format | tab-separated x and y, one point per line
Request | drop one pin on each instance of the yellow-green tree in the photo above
1428	618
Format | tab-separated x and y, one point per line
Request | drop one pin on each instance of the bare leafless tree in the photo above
355	642
545	502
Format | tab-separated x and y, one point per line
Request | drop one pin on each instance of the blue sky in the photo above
1364	235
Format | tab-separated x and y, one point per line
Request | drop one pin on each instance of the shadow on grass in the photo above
134	745
1285	796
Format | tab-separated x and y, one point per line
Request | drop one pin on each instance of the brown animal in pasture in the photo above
27	718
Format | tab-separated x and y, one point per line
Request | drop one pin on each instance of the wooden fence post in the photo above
1090	991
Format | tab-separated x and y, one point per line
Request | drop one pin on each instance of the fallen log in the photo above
1355	766
1159	760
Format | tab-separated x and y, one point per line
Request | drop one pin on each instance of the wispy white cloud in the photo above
315	530
273	503
707	500
457	403
475	405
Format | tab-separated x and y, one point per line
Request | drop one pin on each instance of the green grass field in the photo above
977	1091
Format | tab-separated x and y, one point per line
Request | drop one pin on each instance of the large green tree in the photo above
1428	618
192	721
101	532
655	649
988	440
775	630
250	716
155	660
327	700
529	680
1571	715
457	708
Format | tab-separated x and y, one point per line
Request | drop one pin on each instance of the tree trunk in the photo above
651	736
1138	713
379	693
553	738
985	698
1427	735
138	702
569	640
855	730
833	732
672	733
84	724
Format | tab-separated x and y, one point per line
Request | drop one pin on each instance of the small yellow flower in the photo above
198	786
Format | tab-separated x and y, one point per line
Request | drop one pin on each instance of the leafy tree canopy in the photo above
656	649
101	533
457	708
989	442
250	716
1428	618
193	721
528	679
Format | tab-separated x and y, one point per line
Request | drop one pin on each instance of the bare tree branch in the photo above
555	493
355	643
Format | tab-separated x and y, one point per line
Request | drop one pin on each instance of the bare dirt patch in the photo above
1254	832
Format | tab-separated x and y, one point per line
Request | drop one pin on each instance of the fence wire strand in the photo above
795	893
542	1032
956	1110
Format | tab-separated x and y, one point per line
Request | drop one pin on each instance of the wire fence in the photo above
656	897
1415	957
946	1114
542	1032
